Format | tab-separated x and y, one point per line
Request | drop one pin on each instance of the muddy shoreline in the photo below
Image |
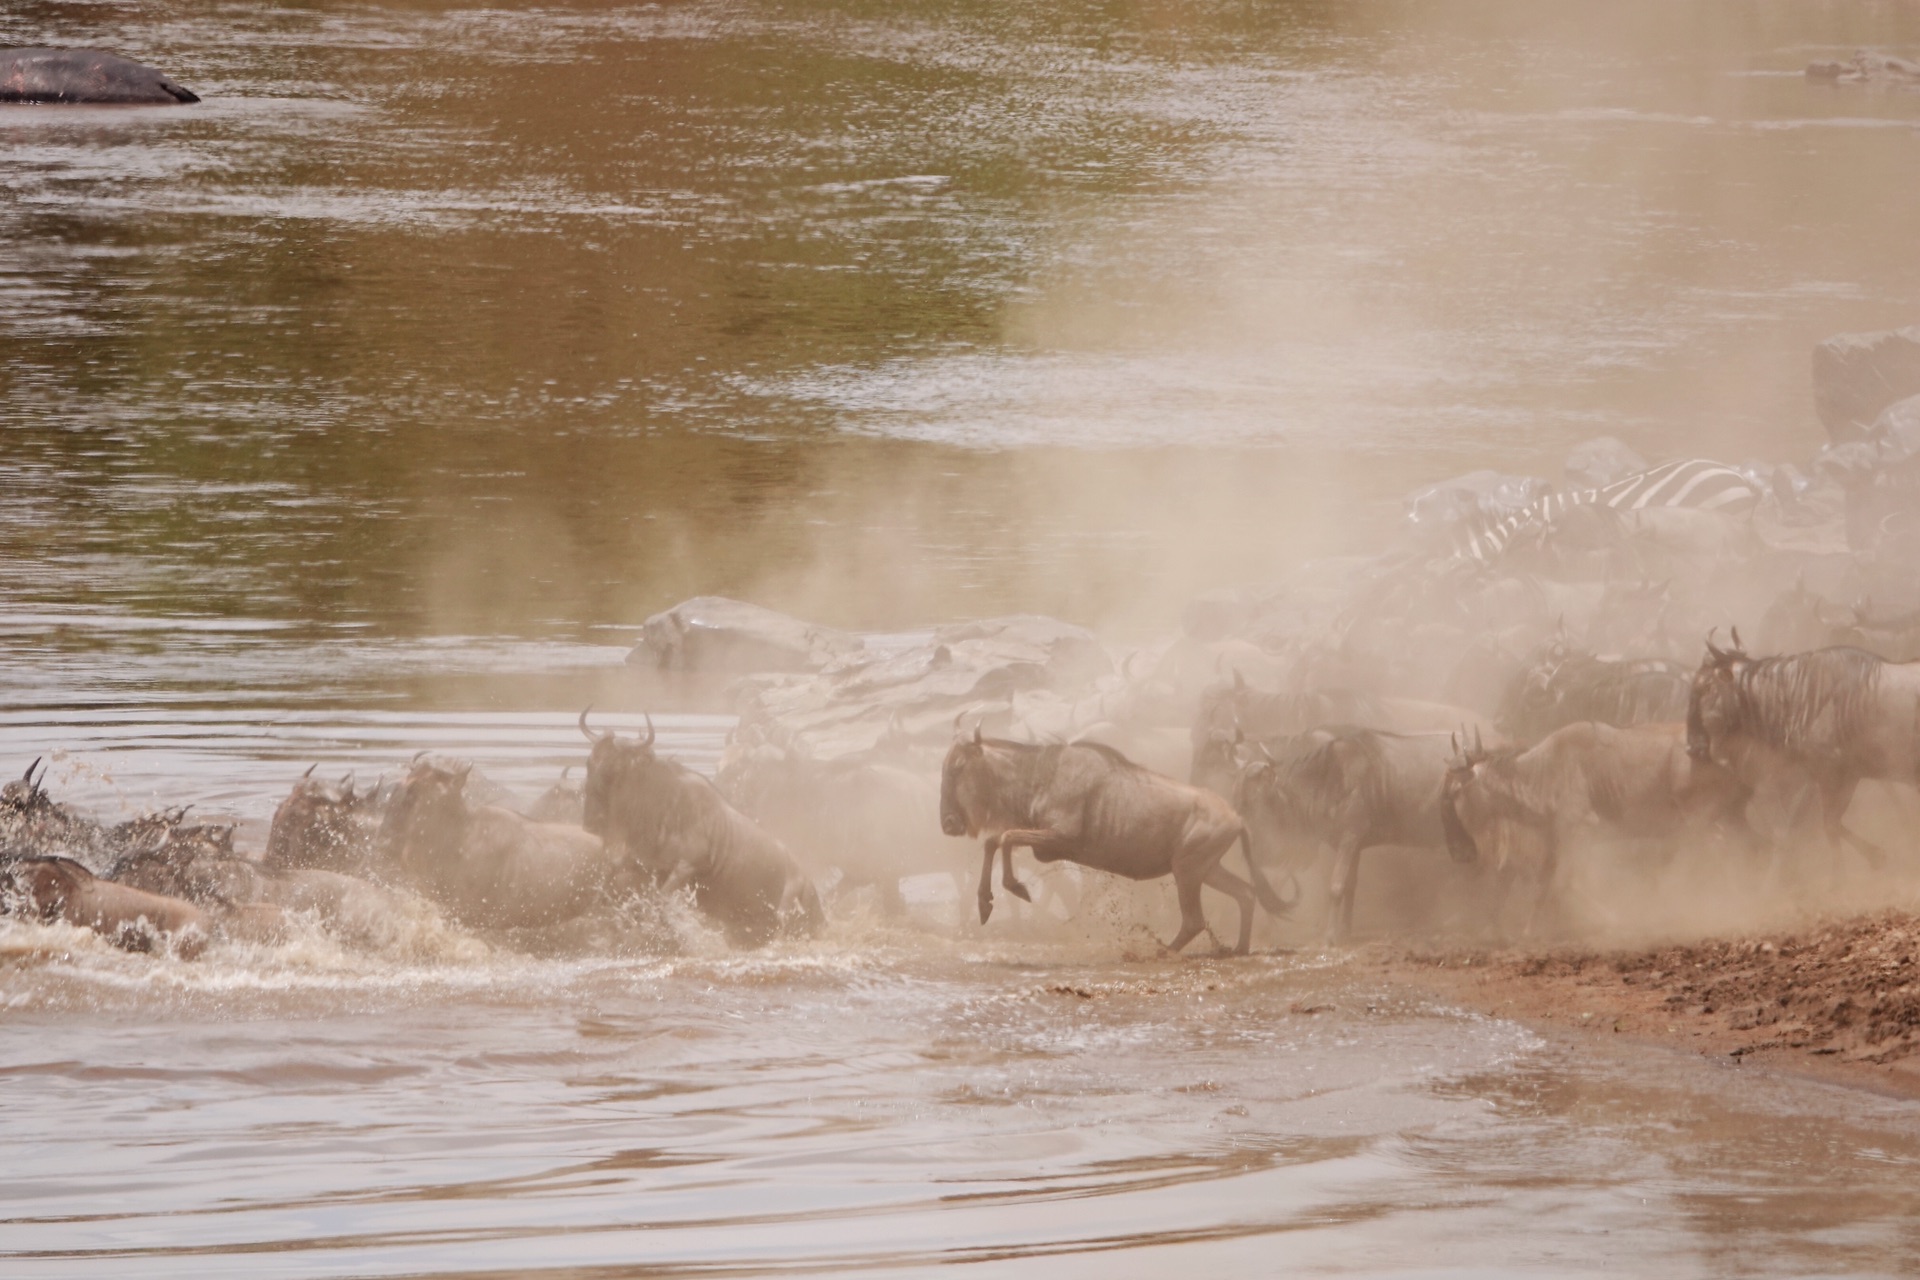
1838	999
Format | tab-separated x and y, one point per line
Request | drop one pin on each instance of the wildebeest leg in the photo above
986	878
1346	874
1007	879
1549	861
1047	845
1192	921
1241	892
1835	799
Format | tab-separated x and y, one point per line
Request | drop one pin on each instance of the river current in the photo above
369	406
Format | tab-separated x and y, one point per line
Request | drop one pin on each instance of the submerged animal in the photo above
82	76
52	888
675	824
1086	803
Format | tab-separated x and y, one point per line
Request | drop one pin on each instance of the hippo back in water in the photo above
83	76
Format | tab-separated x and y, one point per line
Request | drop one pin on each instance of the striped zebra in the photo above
1700	484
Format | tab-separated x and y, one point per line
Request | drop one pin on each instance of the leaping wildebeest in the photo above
1087	803
1826	720
1640	781
677	825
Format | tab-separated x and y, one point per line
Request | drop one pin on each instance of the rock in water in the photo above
84	76
1857	375
715	636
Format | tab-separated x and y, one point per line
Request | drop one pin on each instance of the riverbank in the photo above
1839	999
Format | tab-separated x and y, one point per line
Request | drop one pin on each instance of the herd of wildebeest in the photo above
1568	718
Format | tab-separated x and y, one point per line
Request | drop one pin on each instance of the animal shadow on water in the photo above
1087	803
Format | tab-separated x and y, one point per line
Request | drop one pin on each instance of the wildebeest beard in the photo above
1460	844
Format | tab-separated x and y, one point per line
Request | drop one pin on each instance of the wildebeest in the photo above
1563	685
1089	804
53	888
676	825
1351	789
199	864
1640	781
489	865
1823	721
874	822
322	826
564	801
1232	711
43	75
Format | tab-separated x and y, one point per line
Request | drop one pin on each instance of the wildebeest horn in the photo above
978	737
1479	747
418	754
1261	743
1453	740
310	769
27	777
346	780
591	736
650	733
1713	651
1737	646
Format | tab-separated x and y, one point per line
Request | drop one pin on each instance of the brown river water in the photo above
369	405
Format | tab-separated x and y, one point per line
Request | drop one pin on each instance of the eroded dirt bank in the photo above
1840	998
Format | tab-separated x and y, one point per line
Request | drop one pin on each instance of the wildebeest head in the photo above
1464	805
615	767
1714	698
1216	759
24	794
317	826
430	804
1260	794
964	783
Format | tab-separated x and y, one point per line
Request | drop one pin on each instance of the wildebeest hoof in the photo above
1018	890
986	909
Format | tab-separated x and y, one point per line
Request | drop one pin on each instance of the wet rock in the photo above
1867	67
1598	462
1856	376
84	76
914	695
712	635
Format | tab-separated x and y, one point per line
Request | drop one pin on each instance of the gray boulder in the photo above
1857	375
914	694
1596	463
712	635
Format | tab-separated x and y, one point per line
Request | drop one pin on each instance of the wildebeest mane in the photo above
1807	703
1316	775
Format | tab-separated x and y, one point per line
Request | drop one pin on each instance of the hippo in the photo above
84	76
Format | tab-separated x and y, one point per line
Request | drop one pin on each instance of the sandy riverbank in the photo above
1839	999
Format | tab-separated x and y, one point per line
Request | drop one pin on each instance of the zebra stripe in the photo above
1699	484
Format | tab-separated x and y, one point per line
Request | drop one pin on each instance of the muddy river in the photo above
370	405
